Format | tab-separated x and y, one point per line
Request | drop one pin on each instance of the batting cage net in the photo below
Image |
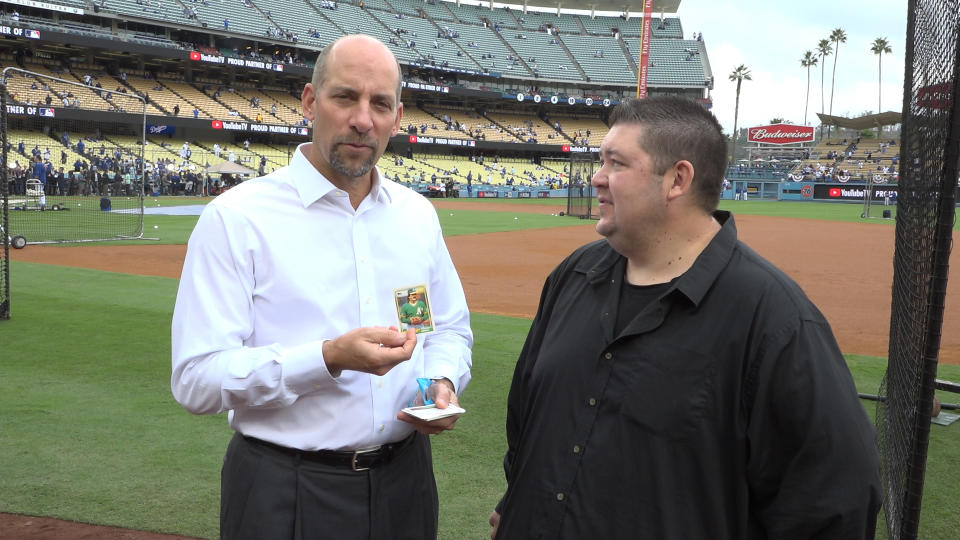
930	143
579	190
74	174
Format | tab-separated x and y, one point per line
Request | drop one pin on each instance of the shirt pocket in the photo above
664	391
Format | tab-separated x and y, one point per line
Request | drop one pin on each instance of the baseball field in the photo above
92	445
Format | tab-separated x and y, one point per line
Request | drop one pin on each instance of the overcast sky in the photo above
771	36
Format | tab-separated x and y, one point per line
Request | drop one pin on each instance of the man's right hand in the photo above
371	350
495	523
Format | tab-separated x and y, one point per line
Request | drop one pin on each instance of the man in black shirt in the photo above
674	384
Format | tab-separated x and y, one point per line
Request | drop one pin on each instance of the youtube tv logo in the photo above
195	56
835	192
565	148
413	138
216	124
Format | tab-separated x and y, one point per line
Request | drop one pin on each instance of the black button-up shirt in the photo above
722	410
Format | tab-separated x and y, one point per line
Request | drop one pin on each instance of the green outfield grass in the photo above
90	432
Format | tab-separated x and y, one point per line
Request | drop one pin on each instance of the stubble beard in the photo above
342	167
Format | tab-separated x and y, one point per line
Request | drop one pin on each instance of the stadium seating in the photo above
601	58
575	128
551	58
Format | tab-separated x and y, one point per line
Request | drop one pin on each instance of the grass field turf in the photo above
89	430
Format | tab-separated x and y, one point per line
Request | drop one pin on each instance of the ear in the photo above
308	99
679	179
396	123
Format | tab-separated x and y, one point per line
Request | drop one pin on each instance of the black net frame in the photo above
930	149
579	190
4	212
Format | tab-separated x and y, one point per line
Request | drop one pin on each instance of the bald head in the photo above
355	44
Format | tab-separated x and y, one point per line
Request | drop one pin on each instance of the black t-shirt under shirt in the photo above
633	300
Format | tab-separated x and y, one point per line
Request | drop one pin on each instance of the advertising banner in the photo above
780	134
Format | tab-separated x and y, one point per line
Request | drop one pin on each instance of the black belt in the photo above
357	460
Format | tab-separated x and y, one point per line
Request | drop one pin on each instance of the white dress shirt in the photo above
281	263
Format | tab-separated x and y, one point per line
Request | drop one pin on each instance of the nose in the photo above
598	178
361	119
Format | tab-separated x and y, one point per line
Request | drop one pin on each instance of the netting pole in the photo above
4	208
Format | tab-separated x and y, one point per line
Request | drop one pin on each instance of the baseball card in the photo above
413	308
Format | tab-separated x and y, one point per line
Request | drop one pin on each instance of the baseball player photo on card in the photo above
413	308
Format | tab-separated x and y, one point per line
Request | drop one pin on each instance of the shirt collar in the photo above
697	280
312	186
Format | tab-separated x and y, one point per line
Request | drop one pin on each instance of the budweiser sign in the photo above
780	134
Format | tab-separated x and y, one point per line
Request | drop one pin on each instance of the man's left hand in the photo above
441	392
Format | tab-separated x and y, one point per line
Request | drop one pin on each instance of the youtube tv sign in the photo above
833	192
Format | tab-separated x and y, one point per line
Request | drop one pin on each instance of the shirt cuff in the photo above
304	369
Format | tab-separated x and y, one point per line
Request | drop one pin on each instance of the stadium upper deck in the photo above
503	44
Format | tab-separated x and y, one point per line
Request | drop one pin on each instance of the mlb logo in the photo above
48	112
195	56
216	124
32	34
303	131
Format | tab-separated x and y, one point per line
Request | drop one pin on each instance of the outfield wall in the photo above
755	189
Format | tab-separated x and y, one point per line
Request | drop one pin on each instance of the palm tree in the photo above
838	36
809	60
824	49
739	74
880	46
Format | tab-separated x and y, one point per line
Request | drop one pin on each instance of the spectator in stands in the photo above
648	350
306	358
231	157
196	113
226	24
176	109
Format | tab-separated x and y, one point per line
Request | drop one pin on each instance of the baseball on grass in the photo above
156	226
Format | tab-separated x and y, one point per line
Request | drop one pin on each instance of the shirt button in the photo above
576	449
592	401
608	356
379	384
559	496
381	427
367	300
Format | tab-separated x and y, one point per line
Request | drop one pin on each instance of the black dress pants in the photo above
270	495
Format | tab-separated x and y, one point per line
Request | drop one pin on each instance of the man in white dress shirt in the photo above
286	318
